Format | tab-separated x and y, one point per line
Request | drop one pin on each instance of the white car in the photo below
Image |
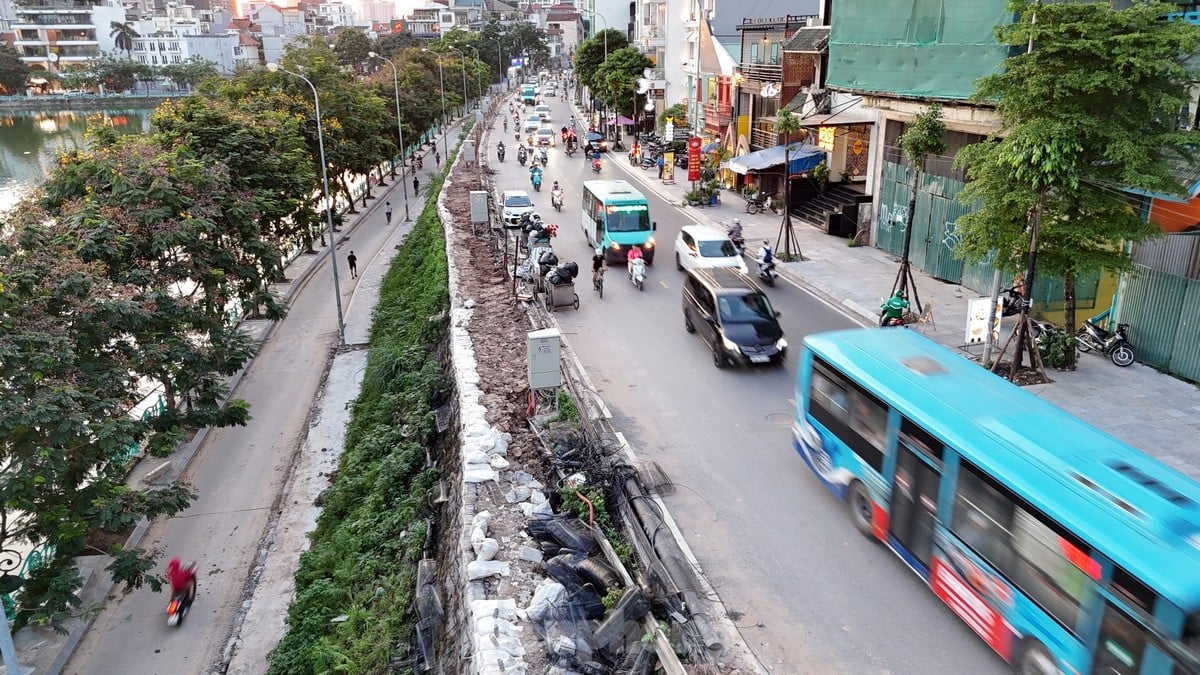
514	204
544	136
704	247
543	112
532	123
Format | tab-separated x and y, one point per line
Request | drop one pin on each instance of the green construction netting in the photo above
915	48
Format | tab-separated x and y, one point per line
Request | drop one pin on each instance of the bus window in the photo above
1132	590
1121	645
921	441
627	219
1191	633
850	413
1049	565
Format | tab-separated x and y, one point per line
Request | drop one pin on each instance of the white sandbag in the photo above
498	608
479	473
490	625
482	569
499	463
487	549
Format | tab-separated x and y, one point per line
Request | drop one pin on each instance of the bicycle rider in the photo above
598	265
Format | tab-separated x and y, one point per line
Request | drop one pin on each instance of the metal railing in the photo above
719	114
762	72
763	138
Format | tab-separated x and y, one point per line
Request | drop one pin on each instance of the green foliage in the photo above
925	136
567	412
1067	108
189	73
352	47
612	597
616	79
362	562
123	35
676	113
1059	351
591	54
13	71
70	373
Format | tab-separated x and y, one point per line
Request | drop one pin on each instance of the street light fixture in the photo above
442	87
399	128
333	265
463	63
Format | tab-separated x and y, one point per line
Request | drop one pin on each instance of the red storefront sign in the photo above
694	158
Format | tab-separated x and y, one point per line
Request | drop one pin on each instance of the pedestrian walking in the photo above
352	261
437	158
387	212
416	185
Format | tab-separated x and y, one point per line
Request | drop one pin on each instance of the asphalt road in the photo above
238	473
807	592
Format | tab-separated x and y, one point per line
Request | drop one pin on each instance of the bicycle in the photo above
598	282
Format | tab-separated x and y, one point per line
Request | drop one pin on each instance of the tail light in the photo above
173	607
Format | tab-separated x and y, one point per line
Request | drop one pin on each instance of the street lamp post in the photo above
463	63
442	86
399	127
333	264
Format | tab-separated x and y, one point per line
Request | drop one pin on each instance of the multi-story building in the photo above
563	34
425	20
50	34
337	14
373	11
276	20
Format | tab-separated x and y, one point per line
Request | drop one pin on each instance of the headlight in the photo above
729	344
649	243
615	246
781	344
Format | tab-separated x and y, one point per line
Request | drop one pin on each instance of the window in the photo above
754	52
1191	632
850	413
747	308
1122	643
921	441
775	53
1048	564
1132	590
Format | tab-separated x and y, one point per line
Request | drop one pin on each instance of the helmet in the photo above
737	221
766	242
599	251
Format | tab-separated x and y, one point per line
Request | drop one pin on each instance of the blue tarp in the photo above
801	157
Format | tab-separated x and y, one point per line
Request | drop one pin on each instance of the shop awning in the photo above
838	119
801	157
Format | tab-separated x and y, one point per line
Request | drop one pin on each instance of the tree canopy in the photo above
591	54
13	71
1088	111
617	77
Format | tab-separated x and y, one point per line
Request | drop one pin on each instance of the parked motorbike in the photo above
637	272
1042	331
761	202
1114	345
649	161
1011	302
556	200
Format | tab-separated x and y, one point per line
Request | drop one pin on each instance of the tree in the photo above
1050	183
592	52
617	77
352	47
676	114
13	71
925	135
787	125
117	74
68	385
390	44
123	35
189	73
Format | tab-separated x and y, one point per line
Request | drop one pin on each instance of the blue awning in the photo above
801	157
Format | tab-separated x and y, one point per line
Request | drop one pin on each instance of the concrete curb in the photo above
180	464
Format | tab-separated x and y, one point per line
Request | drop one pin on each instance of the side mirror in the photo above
654	226
778	313
706	317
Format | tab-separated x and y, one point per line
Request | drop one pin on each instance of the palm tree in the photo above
123	35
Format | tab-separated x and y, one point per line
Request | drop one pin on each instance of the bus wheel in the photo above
1034	659
861	508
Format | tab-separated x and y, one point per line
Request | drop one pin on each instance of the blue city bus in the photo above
1065	549
616	217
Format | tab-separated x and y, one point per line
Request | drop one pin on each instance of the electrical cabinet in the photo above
479	206
544	348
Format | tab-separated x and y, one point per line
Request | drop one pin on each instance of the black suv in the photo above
733	316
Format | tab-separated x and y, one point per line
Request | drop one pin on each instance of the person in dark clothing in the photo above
352	261
416	185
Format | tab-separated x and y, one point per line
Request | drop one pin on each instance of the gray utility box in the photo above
479	207
544	348
468	151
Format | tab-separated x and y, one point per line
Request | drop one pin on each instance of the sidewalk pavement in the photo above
1154	412
42	649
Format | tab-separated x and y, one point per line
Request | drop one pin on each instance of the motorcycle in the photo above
1010	302
1042	331
181	602
556	200
522	156
735	235
637	272
500	152
570	149
596	165
1114	345
649	162
766	271
543	157
536	179
761	202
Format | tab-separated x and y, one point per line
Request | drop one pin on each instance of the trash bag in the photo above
572	533
571	268
548	258
584	595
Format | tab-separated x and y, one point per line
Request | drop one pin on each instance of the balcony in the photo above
762	72
761	139
717	116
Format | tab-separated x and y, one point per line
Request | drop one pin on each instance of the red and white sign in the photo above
971	607
694	158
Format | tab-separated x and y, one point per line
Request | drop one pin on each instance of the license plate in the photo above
759	359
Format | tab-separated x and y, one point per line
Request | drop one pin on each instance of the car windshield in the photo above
545	132
630	218
533	118
747	308
518	200
716	248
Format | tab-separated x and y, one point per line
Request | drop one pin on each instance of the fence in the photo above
1160	309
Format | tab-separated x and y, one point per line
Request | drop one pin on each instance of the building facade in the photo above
50	35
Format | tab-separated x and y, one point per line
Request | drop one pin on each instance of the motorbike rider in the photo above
182	580
735	233
556	193
506	125
500	148
766	255
598	263
635	253
892	311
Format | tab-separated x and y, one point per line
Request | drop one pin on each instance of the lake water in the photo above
30	143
